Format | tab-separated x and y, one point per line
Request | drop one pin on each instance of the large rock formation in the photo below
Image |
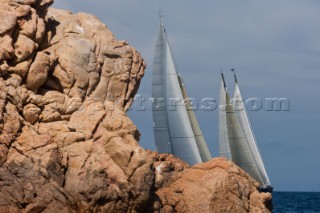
66	144
214	186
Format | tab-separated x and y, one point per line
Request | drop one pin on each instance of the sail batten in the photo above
174	130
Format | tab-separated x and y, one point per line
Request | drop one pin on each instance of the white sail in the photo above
224	147
249	137
161	131
236	140
201	142
172	126
240	151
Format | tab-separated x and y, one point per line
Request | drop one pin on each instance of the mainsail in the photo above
176	129
236	139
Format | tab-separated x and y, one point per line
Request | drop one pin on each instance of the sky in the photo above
274	47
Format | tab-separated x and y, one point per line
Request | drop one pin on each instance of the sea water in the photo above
296	202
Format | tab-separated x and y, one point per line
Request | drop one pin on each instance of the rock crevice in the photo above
66	143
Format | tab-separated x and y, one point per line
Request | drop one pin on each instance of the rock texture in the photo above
66	143
214	186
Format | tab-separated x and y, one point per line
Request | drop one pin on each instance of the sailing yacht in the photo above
236	139
176	129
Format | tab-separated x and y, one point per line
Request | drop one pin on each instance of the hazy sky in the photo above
274	47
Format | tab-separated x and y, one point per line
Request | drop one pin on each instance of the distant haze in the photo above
274	47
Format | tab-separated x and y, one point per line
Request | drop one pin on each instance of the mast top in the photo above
234	74
161	16
224	83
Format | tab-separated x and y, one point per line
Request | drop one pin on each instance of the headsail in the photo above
249	136
201	143
173	128
224	146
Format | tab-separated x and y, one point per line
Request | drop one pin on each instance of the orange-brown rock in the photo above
66	143
215	186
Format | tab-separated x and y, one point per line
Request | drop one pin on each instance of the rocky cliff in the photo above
66	143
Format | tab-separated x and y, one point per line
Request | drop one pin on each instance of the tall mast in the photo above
234	75
224	82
